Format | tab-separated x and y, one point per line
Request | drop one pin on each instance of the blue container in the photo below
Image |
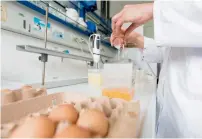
91	26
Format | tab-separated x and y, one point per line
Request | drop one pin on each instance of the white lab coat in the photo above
178	46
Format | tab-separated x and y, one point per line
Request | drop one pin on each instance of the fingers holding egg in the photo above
118	42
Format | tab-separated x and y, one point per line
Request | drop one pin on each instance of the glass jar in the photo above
95	77
119	80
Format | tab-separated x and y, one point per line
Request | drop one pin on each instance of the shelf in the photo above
61	21
38	50
106	25
53	17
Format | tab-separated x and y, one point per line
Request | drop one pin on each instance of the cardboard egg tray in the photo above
123	116
11	96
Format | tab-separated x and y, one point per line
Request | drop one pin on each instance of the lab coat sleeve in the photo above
178	23
151	52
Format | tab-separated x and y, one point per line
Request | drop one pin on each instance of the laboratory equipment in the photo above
56	45
119	80
90	6
96	38
68	42
72	15
91	26
95	77
82	24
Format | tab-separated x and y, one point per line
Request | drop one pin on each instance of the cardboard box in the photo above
9	96
120	113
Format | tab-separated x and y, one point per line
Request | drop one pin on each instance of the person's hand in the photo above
117	39
136	14
133	38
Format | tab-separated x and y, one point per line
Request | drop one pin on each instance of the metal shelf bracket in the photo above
46	51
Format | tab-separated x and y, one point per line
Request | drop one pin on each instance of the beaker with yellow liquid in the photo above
118	81
123	93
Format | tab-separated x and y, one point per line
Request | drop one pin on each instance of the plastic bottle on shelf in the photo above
82	24
72	15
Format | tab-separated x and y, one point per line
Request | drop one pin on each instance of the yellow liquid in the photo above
123	93
95	79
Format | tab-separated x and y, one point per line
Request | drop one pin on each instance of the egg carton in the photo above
26	92
123	116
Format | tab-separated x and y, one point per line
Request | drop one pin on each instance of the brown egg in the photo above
35	127
64	112
96	136
94	120
73	131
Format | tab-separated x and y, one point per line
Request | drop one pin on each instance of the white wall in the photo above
26	68
23	67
